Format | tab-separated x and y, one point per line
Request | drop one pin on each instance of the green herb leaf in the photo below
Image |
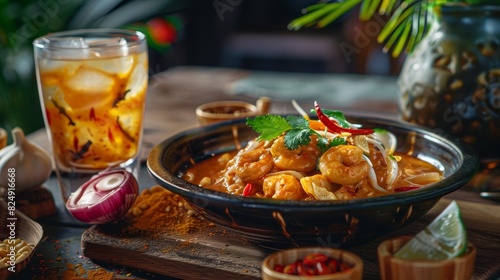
298	132
338	141
380	130
324	143
338	116
297	137
269	127
298	122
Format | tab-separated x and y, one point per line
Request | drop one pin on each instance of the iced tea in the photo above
93	89
94	108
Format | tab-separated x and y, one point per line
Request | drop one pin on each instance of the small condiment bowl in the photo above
218	111
288	256
18	226
392	268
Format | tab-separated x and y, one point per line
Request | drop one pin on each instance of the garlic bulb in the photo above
25	161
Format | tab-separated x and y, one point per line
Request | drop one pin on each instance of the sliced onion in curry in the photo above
372	176
392	170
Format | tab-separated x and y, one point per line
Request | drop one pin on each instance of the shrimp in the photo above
253	165
302	159
283	186
248	165
344	165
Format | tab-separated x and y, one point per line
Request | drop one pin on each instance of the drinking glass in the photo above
92	85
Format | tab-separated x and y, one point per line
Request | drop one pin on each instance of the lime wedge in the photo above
444	238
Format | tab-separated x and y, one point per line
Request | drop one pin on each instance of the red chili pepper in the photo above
334	127
333	265
303	269
110	135
291	269
322	269
92	114
313	264
313	259
279	268
75	143
405	189
247	191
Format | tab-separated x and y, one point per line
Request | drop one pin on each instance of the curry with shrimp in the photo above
297	158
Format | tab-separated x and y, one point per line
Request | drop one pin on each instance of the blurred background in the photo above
246	34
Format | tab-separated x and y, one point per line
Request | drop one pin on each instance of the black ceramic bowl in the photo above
281	224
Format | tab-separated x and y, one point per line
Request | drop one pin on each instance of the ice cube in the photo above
138	81
130	122
67	48
68	42
119	66
89	81
106	42
47	65
108	47
88	88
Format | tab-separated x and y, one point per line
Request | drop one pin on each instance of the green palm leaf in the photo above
336	13
406	27
322	15
368	8
409	22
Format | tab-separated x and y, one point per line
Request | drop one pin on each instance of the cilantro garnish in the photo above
269	127
298	132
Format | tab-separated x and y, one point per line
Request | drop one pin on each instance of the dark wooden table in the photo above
172	99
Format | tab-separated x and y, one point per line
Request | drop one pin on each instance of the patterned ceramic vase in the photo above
451	82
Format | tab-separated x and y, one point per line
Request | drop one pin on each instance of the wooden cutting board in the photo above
213	253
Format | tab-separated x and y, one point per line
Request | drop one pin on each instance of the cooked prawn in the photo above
253	165
343	165
248	165
302	159
283	186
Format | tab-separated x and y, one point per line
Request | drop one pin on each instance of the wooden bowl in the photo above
291	255
391	268
25	229
224	110
218	111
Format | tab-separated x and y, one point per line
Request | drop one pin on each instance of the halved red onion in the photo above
105	198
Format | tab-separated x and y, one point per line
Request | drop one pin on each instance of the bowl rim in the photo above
469	164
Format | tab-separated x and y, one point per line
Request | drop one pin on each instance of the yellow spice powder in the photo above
157	210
